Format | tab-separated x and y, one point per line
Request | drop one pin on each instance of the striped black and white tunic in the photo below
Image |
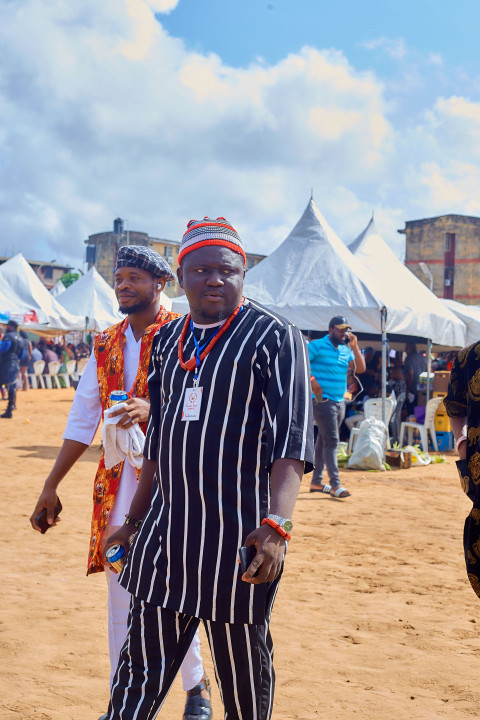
212	485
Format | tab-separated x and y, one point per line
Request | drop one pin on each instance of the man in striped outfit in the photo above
229	437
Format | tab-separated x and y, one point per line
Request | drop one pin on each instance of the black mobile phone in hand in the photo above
246	555
41	519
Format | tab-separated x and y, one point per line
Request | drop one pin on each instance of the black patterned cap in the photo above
143	257
339	322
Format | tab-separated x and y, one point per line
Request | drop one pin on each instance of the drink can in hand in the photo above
116	556
118	396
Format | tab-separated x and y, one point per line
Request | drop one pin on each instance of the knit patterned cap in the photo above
210	232
143	257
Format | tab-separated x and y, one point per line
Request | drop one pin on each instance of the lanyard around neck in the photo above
200	348
202	352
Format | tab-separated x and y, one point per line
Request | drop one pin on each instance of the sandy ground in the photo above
375	618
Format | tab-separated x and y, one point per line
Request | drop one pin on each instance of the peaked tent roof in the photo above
92	297
312	276
57	289
424	313
27	292
469	314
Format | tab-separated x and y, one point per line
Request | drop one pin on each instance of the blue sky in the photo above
418	48
242	30
158	111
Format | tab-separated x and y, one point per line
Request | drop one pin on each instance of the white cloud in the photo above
456	184
394	47
435	58
162	6
103	114
443	158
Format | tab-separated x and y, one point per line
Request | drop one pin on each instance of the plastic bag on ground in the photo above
369	449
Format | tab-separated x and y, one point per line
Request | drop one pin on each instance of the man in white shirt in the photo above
120	362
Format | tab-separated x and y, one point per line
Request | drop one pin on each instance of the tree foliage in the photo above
69	278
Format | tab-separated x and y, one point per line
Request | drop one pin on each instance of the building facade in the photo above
449	246
102	251
48	272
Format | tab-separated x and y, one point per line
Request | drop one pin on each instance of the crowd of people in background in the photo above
48	352
403	372
42	349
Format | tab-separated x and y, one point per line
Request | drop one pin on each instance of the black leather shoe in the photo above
197	707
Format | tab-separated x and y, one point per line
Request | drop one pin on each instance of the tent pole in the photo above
384	364
429	366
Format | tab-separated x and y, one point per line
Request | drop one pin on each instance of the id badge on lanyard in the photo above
193	396
192	400
192	403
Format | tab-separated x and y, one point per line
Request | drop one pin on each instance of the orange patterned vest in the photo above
108	351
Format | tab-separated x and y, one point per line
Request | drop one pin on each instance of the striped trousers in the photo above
156	644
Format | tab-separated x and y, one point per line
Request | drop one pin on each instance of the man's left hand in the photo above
269	557
136	411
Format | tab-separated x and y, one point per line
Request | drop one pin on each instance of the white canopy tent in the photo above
12	307
57	289
27	294
93	298
470	315
431	318
312	276
424	314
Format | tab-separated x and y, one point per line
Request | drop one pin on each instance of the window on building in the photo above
47	272
168	253
449	275
449	241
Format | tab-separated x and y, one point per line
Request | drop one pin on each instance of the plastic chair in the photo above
428	426
81	365
396	419
70	367
52	377
373	409
36	378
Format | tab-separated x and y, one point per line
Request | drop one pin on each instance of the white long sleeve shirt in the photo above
86	412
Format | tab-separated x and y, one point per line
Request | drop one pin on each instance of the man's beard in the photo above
213	317
141	305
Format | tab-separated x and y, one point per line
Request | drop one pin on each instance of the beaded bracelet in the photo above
277	527
129	520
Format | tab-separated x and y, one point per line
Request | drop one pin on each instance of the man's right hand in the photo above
123	537
48	499
316	389
69	453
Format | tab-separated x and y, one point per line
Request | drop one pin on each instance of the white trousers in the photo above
118	608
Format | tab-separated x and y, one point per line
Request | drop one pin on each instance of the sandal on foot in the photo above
197	707
340	492
314	487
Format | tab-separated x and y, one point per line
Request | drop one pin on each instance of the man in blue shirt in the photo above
11	349
331	359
